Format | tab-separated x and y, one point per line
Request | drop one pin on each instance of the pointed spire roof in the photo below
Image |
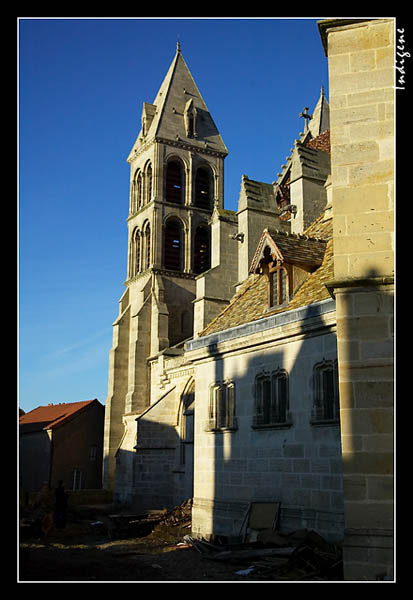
320	121
167	113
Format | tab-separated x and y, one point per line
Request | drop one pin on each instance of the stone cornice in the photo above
176	144
326	25
158	271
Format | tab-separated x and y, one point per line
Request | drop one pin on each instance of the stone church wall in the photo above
298	465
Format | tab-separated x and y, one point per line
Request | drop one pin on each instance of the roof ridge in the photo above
300	236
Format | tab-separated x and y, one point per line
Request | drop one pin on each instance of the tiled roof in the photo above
321	142
51	416
291	248
251	301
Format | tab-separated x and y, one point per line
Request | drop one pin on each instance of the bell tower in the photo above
176	180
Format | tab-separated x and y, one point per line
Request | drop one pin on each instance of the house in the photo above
252	353
62	442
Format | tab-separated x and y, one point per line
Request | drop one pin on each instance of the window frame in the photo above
268	413
203	187
221	409
174	191
77	479
281	275
172	250
202	246
325	411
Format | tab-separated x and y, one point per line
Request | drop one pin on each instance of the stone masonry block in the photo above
373	222
370	198
356	153
364	241
377	172
371	394
366	328
294	450
363	61
361	37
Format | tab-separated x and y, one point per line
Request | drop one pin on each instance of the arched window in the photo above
174	191
187	422
202	253
136	192
272	399
222	407
173	245
148	183
135	253
278	286
326	407
147	247
203	188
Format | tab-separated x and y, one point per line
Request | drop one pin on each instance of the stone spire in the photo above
320	120
170	106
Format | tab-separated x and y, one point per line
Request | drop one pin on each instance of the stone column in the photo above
361	73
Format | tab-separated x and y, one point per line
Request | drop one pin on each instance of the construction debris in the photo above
140	525
180	516
301	555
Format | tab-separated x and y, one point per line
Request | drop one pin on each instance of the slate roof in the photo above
251	301
51	416
291	248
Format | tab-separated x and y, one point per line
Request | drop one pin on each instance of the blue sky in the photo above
81	86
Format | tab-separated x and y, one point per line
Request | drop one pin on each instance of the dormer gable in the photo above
285	259
148	113
296	249
190	119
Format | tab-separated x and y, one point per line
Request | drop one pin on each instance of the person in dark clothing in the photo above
60	506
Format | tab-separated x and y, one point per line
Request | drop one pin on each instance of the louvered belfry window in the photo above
203	188
202	251
174	182
173	245
147	257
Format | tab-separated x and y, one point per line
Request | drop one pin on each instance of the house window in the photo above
77	479
326	408
278	288
92	453
272	400
173	245
202	255
174	182
222	407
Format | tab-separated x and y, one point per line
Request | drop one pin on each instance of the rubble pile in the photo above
300	555
140	525
179	516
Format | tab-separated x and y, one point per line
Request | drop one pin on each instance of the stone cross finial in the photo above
306	116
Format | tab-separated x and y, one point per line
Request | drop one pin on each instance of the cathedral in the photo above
228	372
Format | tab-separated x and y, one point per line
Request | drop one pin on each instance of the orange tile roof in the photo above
52	415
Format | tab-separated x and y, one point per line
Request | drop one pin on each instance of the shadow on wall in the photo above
274	440
159	474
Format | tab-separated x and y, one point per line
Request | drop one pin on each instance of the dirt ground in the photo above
83	552
97	547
